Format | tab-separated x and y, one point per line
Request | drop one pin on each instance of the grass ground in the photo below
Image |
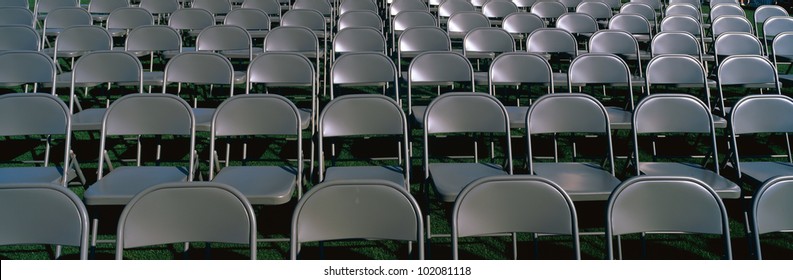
275	220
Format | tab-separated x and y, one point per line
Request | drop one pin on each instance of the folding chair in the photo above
200	68
19	37
518	68
771	209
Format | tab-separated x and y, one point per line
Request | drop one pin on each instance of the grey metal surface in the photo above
450	178
17	16
577	23
498	9
292	39
357	209
732	71
153	38
43	214
548	9
447	8
675	42
121	20
360	19
28	66
77	40
665	203
487	42
437	68
191	19
186	212
517	203
519	68
636	25
200	68
359	39
255	21
160	6
230	40
553	41
522	23
461	22
363	68
725	24
771	209
775	25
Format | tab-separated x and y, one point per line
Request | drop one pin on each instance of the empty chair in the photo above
732	73
43	214
680	113
498	10
76	41
19	37
274	69
665	204
676	42
255	21
17	16
122	20
360	19
774	26
271	7
231	41
436	68
59	19
186	212
364	69
166	115
518	68
160	8
548	10
719	10
21	67
200	68
358	39
622	44
487	43
636	25
642	9
521	24
399	6
260	115
448	114
771	209
755	114
191	20
362	209
100	9
781	52
408	19
448	8
558	43
736	43
101	68
44	7
578	24
605	69
763	13
524	4
509	204
38	115
681	23
357	115
600	11
315	22
295	39
726	24
218	8
153	41
417	40
357	5
572	113
14	3
461	23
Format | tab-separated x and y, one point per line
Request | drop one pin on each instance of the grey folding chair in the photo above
665	204
120	21
416	40
190	21
25	67
557	43
680	113
17	16
548	10
100	9
357	209
524	5
218	8
572	113
460	23
164	115
771	209
736	43
233	42
399	6
364	69
76	41
726	24
100	68
186	212
680	71
578	24
357	5
510	204
449	114
358	39
774	26
259	115
519	68
255	21
642	9
200	68
312	21
570	4
59	19
732	73
19	37
635	24
15	4
36	114
358	115
763	13
153	41
160	8
725	9
360	19
274	69
436	69
768	113
622	44
271	7
407	19
486	43
598	10
43	7
496	11
605	69
43	214
521	24
683	23
782	52
448	8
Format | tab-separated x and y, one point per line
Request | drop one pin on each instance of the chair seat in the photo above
203	118
759	172
517	116
581	181
450	178
119	186
723	187
261	185
619	118
389	173
33	174
88	119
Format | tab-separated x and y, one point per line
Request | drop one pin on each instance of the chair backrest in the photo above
368	209
65	17
462	22
736	43
632	23
129	18
148	114
732	71
160	6
519	67
498	9
775	25
548	9
311	19
17	16
675	69
364	68
683	9
357	5
106	6
762	114
522	23
14	4
577	23
19	37
199	68
360	19
438	67
552	40
271	7
83	38
291	39
424	38
43	214
714	3
191	19
655	4
408	19
782	45
106	67
153	38
359	39
248	18
281	68
614	41
730	23
596	9
675	42
216	7
524	4
762	13
488	40
448	8
46	6
26	66
186	212
682	23
399	6
225	38
771	209
324	7
642	9
361	114
515	203
656	203
725	10
599	68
